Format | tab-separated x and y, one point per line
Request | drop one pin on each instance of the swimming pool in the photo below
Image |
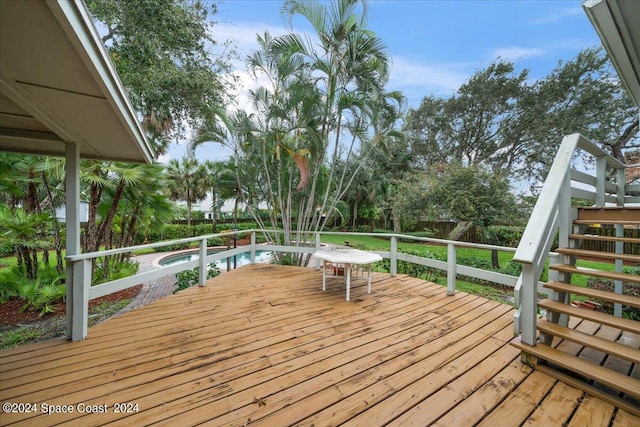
241	259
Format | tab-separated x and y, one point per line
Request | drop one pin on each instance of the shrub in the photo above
415	270
608	285
188	278
40	295
502	235
9	279
114	271
284	258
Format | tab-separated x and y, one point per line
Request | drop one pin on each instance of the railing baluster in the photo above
253	247
528	305
393	256
202	265
451	269
317	249
80	305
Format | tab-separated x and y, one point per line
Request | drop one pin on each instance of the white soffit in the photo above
58	85
618	25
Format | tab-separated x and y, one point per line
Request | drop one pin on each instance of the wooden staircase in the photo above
587	348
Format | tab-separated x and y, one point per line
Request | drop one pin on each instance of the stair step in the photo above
588	388
609	221
596	273
598	254
597	343
628	300
609	215
595	316
604	238
613	379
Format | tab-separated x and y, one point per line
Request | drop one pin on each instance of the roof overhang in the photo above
57	85
618	25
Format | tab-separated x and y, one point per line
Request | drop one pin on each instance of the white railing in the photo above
80	266
552	214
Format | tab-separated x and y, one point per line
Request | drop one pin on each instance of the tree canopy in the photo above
162	52
500	119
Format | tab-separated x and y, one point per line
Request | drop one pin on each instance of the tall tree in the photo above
162	51
323	107
500	119
452	192
186	182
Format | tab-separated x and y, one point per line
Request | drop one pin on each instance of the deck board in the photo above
264	345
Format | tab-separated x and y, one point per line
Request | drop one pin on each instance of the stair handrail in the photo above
551	212
538	237
530	248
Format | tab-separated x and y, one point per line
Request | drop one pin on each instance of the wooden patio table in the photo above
347	258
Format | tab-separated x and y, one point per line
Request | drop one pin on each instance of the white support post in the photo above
72	230
253	248
202	263
529	305
393	256
80	299
620	186
617	285
451	269
565	218
601	174
317	249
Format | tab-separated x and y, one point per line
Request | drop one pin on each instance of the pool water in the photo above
241	259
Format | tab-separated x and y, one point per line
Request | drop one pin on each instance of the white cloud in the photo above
243	36
515	52
557	15
410	75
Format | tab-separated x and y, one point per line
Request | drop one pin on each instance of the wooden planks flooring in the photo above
263	345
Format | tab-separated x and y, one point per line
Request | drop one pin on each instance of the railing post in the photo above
253	248
619	248
617	285
393	256
451	269
620	186
202	264
317	249
528	305
601	173
80	311
565	218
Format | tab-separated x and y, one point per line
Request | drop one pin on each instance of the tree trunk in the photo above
95	194
56	228
494	259
105	228
396	224
214	212
461	228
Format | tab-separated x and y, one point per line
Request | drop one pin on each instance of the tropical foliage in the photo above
324	109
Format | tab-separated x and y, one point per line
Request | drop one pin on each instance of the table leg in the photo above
324	275
369	286
347	278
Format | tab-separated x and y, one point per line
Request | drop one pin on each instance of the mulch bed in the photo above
11	313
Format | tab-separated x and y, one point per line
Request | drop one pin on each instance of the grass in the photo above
440	252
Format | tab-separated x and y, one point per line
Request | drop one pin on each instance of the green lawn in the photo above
440	251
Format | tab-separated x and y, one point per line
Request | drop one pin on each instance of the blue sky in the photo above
435	45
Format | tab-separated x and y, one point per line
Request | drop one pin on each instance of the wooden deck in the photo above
263	345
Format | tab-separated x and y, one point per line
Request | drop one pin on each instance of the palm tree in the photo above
213	173
186	182
353	67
